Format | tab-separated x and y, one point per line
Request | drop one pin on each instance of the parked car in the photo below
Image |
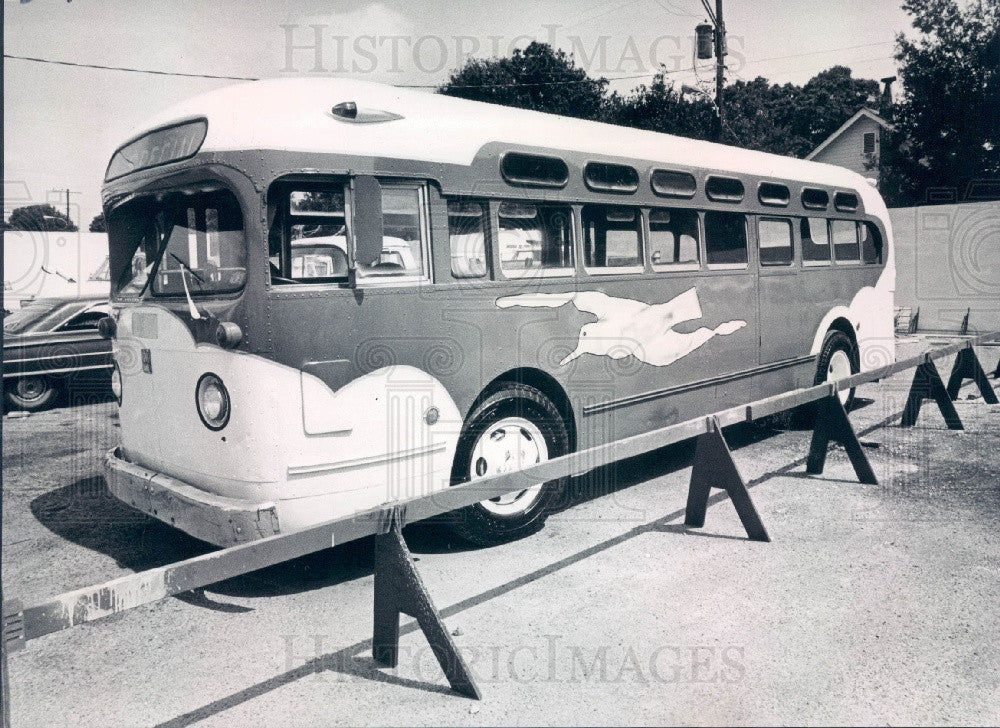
50	345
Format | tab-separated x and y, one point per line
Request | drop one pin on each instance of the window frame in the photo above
423	211
833	243
660	268
746	240
487	220
285	218
791	241
829	261
605	270
570	271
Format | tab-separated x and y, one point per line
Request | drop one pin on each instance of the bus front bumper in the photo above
213	518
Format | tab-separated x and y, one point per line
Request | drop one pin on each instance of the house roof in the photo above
863	113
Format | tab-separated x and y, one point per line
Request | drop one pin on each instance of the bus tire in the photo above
31	394
837	358
512	428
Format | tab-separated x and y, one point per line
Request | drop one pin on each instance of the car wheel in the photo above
513	428
30	393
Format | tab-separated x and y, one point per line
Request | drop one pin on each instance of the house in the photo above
855	145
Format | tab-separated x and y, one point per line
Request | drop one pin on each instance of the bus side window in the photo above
815	241
612	238
871	243
403	245
467	236
726	239
317	232
774	236
535	237
673	238
845	241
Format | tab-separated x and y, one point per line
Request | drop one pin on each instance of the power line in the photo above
129	70
814	53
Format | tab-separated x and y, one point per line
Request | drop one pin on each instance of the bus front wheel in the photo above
513	428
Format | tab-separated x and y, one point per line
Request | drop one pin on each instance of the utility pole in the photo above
720	67
712	37
68	193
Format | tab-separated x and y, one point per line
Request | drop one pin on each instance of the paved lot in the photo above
873	604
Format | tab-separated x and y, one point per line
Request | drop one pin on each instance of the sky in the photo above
62	123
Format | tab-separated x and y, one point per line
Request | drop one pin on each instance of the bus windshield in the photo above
184	242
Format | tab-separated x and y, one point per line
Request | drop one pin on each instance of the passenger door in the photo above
786	326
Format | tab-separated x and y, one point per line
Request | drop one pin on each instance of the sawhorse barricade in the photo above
398	588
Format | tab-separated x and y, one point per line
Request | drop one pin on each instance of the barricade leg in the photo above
927	384
832	423
967	366
714	468
399	589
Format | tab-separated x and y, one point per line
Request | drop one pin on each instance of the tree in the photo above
40	217
659	107
99	224
948	120
828	99
539	77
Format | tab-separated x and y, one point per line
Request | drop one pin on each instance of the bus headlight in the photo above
116	383
212	399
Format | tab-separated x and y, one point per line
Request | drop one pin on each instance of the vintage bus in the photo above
350	293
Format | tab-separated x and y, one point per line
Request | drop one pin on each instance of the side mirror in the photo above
367	220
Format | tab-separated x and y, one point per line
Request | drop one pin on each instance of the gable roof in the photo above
868	113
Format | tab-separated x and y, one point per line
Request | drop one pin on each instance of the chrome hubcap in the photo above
31	388
507	445
839	368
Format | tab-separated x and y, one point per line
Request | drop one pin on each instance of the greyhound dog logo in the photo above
630	328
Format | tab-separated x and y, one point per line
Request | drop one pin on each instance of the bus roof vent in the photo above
724	189
672	183
533	170
349	111
773	193
606	177
814	198
845	201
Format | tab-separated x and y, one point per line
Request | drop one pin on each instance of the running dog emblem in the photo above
630	328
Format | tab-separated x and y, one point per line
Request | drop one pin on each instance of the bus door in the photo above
787	319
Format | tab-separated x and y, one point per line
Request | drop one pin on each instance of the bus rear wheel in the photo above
838	359
513	428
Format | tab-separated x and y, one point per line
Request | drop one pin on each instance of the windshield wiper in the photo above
188	268
185	269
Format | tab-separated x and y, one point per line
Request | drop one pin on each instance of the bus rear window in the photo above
871	243
726	239
194	242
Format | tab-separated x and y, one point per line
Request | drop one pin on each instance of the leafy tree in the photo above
948	120
539	77
40	217
99	224
828	99
659	107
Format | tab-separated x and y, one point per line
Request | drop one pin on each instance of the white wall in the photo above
948	261
75	255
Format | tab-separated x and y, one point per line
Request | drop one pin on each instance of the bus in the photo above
329	295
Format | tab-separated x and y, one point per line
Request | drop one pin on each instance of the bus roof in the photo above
295	115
